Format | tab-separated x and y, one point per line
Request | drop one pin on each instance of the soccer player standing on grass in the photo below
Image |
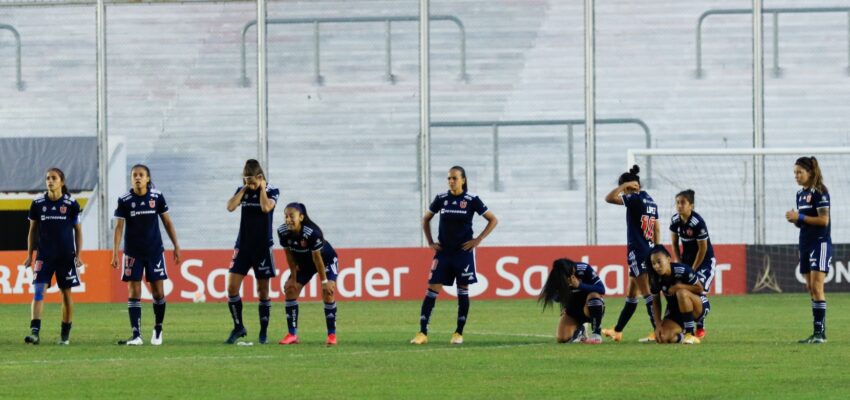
253	249
683	292
643	232
577	288
455	250
140	210
307	254
55	222
812	217
696	251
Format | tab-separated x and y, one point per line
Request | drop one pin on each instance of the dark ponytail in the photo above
147	171
303	210
557	288
462	175
810	164
688	194
252	168
631	176
61	176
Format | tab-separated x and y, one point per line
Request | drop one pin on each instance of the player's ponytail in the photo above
147	171
557	288
631	176
688	194
61	177
252	168
462	171
811	165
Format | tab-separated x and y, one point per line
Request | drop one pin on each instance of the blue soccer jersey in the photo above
302	245
456	213
141	228
679	273
689	232
255	226
56	221
808	203
588	280
641	216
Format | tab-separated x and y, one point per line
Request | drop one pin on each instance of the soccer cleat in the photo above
63	342
648	339
156	340
420	338
578	335
457	338
690	339
136	341
32	339
700	333
263	339
235	334
331	339
593	339
611	333
816	338
292	339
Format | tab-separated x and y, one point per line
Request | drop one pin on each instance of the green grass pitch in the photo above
750	352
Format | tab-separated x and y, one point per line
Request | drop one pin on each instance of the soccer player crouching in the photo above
579	291
685	303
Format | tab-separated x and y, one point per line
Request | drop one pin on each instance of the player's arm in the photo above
594	287
613	197
702	248
656	233
293	266
116	240
33	230
674	239
426	229
821	220
492	221
266	203
78	242
656	314
319	262
234	201
172	234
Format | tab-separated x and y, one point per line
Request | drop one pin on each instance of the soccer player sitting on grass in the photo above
577	288
683	292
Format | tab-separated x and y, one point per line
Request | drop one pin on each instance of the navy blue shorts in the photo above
152	267
672	312
64	269
305	273
637	266
815	257
705	273
448	267
575	307
261	261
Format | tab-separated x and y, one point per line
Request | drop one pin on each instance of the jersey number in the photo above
647	225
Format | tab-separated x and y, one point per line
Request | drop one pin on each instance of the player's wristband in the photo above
324	281
801	218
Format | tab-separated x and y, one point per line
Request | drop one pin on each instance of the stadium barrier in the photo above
364	274
775	269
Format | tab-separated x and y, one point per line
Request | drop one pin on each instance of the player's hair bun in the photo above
635	170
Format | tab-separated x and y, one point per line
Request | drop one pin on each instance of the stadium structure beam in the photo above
424	108
758	122
590	118
103	220
262	89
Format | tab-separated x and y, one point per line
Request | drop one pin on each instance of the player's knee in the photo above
291	290
594	295
328	298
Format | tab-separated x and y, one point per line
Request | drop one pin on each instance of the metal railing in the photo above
19	82
570	123
775	11
387	20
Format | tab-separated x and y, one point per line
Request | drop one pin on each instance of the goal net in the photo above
738	211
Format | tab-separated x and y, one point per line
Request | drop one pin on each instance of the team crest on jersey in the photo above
690	232
132	205
303	243
446	202
63	209
152	203
809	198
463	204
44	209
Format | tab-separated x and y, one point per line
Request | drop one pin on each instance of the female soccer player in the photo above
683	293
579	291
253	249
697	252
455	250
143	252
55	217
812	217
308	254
643	232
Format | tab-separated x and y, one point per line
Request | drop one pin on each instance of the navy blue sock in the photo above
626	314
648	299
35	326
234	303
330	317
819	314
134	308
596	307
427	306
292	316
265	311
158	313
462	309
688	322
706	306
66	330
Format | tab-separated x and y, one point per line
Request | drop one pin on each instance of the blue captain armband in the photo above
801	219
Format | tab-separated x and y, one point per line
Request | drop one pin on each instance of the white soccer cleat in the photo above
136	341
64	342
156	340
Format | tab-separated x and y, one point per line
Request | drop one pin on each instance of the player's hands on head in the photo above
632	186
261	182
